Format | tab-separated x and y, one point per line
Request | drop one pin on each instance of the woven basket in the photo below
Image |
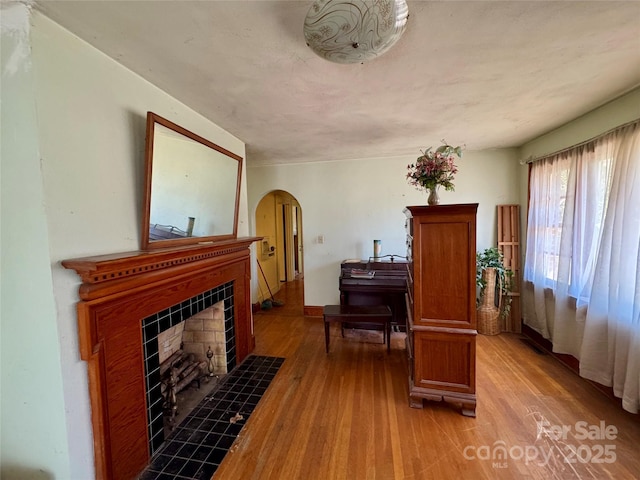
488	315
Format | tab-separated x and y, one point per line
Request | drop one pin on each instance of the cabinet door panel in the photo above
445	270
445	361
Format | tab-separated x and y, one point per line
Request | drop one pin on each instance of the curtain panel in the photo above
582	262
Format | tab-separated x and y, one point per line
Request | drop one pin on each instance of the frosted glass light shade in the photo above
354	31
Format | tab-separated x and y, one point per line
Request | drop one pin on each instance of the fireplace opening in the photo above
192	357
188	349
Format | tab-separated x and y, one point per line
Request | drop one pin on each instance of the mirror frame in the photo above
147	244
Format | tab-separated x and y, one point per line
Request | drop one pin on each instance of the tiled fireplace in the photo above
126	300
191	315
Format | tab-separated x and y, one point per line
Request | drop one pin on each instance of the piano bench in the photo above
372	314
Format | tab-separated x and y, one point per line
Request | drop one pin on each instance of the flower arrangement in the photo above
435	167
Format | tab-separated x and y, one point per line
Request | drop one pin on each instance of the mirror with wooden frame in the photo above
192	188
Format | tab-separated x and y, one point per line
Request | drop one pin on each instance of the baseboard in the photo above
546	345
313	311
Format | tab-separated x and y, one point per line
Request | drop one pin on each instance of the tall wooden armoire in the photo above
441	304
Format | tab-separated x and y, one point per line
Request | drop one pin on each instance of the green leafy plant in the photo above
492	257
434	167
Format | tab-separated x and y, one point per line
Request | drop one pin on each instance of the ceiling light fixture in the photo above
354	31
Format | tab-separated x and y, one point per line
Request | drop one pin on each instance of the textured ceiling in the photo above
488	74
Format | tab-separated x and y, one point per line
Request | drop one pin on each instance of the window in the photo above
568	198
583	243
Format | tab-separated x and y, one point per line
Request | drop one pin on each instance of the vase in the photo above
434	198
487	313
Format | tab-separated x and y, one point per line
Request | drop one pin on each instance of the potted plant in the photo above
495	282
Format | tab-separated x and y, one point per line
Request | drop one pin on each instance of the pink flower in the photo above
434	168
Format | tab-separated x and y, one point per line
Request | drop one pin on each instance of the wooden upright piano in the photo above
387	286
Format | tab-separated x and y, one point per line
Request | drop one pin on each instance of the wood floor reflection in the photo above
346	415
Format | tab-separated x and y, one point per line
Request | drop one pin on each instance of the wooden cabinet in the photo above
441	304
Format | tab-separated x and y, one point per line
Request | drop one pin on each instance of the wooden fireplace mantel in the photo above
105	274
117	293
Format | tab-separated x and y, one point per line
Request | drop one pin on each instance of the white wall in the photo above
87	179
351	203
34	433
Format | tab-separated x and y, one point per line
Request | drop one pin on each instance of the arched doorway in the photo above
280	254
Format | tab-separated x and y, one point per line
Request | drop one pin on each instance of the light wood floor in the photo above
346	415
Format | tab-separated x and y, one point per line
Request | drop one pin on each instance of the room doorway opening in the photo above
280	255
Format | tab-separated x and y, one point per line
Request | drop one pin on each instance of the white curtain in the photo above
588	183
546	207
582	275
610	352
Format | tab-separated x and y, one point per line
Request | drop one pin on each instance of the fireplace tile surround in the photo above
157	323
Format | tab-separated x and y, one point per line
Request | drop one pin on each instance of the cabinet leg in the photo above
416	402
326	335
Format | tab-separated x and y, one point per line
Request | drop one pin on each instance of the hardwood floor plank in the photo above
395	431
346	414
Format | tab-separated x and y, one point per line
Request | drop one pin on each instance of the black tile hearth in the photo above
198	445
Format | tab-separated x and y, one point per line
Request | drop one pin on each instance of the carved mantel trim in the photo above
117	292
122	266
